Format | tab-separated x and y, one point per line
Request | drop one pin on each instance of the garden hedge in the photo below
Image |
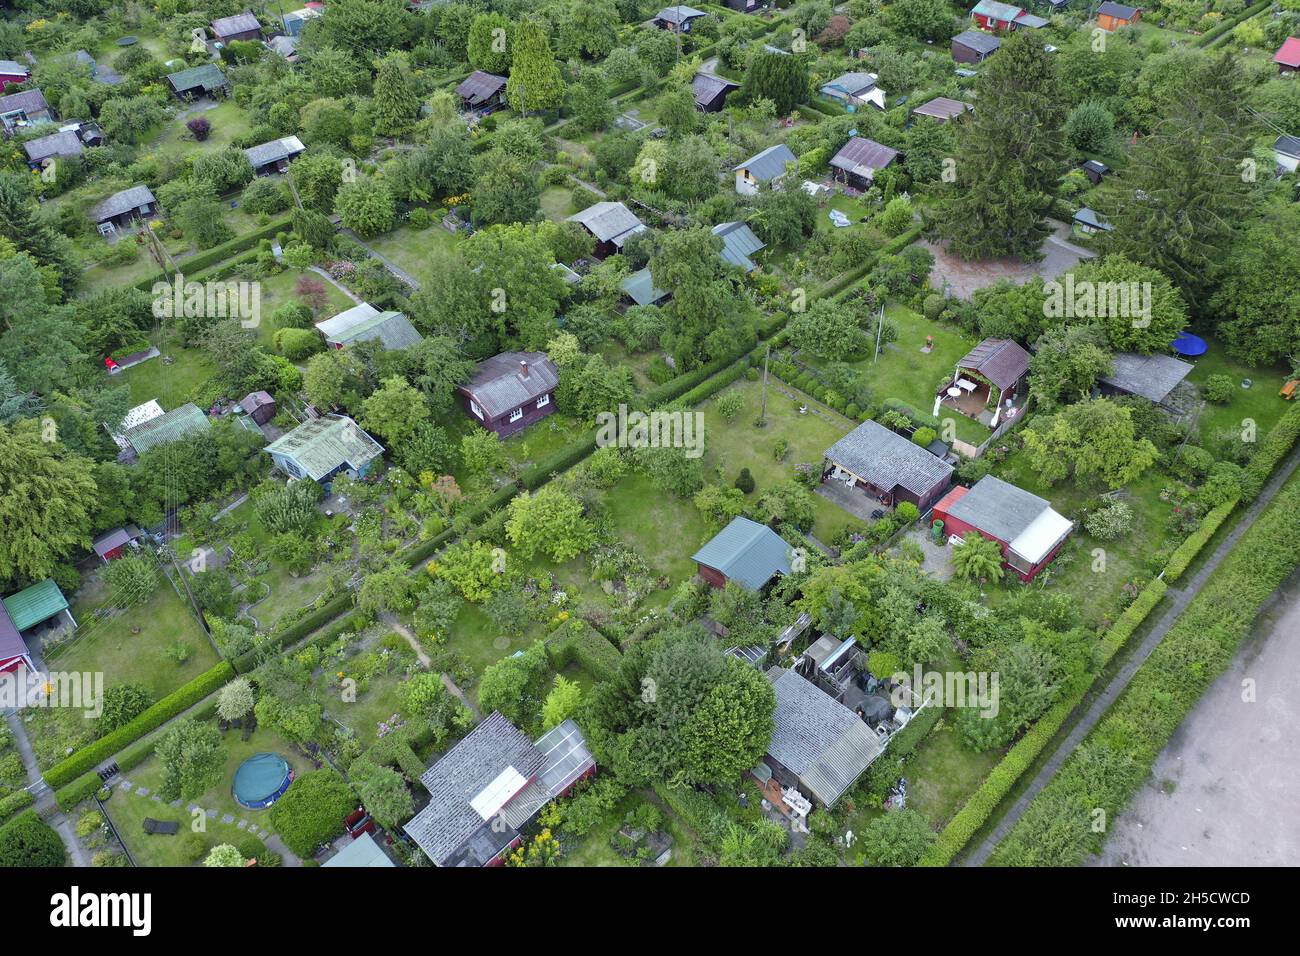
976	811
294	632
698	811
841	284
18	800
80	789
95	753
210	257
1276	445
1211	38
577	642
1115	759
1186	552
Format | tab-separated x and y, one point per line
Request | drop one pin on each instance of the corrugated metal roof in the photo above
112	540
1288	54
747	552
206	76
826	745
239	23
998	508
480	86
499	384
886	459
679	13
863	157
640	288
361	852
364	322
1001	361
851	84
322	445
609	222
286	147
168	427
738	243
995	10
770	163
30	606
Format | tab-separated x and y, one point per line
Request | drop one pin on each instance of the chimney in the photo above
523	367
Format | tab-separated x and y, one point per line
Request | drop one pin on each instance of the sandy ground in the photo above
1226	790
963	278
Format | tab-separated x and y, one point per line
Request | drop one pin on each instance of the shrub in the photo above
1219	389
26	840
924	436
1111	522
1186	552
312	811
200	127
577	642
297	344
745	481
729	406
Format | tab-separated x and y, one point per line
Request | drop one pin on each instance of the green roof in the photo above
40	602
206	76
321	445
167	427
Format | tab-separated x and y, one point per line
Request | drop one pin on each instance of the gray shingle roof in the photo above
886	459
609	222
479	87
863	157
706	87
640	288
118	203
449	821
322	445
28	101
852	84
770	163
168	427
273	152
206	76
62	143
1001	361
1287	145
1151	376
1118	10
942	107
977	40
679	13
826	745
999	508
747	552
499	385
239	23
738	243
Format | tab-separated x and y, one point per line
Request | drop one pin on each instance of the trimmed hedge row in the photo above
294	632
1275	446
217	254
18	800
699	812
976	811
1209	37
841	283
1186	552
184	697
585	646
80	789
1115	759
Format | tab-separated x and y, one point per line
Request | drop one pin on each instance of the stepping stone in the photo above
242	825
192	807
156	799
175	804
227	818
263	834
142	791
125	785
210	814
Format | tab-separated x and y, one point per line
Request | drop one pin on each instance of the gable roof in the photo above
120	202
826	745
273	152
995	10
1287	145
863	157
1095	165
640	288
466	788
239	23
1090	218
13	68
207	76
361	852
255	400
167	427
977	40
738	243
11	641
609	222
1288	54
321	445
34	604
679	13
942	107
1151	376
112	540
853	84
286	47
886	459
63	143
707	86
1001	361
480	86
28	101
747	552
498	384
770	163
996	507
1118	10
364	322
1031	20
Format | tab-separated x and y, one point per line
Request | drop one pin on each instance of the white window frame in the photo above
473	407
544	401
517	414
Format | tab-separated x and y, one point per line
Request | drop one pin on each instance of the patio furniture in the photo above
160	827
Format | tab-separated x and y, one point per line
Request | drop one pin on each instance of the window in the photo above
517	414
473	407
544	401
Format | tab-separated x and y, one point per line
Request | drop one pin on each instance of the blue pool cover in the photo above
1189	344
261	780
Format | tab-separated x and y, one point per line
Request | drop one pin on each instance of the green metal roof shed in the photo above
35	604
168	427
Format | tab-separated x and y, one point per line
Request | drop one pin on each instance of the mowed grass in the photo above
413	249
228	122
109	646
172	385
557	203
944	772
1260	403
278	290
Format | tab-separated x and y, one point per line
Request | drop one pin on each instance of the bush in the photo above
1111	522
1275	446
297	344
1186	552
312	811
577	642
27	841
924	435
745	481
1219	389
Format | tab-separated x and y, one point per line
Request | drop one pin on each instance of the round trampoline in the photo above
1190	345
261	780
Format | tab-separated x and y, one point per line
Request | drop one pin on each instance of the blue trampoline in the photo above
1190	345
261	780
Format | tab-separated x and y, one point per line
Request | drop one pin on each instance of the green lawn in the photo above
228	121
593	848
108	646
944	772
412	249
172	385
129	810
557	203
1259	403
277	290
380	700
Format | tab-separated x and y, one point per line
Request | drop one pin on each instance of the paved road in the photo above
1178	601
1223	792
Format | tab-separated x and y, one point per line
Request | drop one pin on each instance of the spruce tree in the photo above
396	105
535	82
